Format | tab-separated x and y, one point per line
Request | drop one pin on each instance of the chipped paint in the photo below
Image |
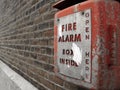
104	46
100	50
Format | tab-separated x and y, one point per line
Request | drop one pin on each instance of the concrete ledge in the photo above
10	80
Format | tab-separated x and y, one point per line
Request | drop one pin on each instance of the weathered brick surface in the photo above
26	41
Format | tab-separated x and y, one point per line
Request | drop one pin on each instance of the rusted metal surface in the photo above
105	43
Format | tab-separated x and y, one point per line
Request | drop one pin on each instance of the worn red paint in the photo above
105	43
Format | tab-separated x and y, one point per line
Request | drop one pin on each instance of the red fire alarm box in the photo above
87	44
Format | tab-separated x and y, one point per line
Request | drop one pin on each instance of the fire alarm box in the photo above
86	43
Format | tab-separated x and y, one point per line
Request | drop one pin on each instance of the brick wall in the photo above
26	42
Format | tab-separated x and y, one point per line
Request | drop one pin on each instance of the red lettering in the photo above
60	39
62	60
87	22
77	37
87	54
87	29
87	61
67	52
87	37
87	15
71	52
74	26
68	62
66	27
69	27
70	38
72	63
62	28
67	39
63	51
76	64
86	75
86	68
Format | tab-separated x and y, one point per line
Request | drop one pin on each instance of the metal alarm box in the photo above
86	42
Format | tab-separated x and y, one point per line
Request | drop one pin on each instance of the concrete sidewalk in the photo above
10	80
